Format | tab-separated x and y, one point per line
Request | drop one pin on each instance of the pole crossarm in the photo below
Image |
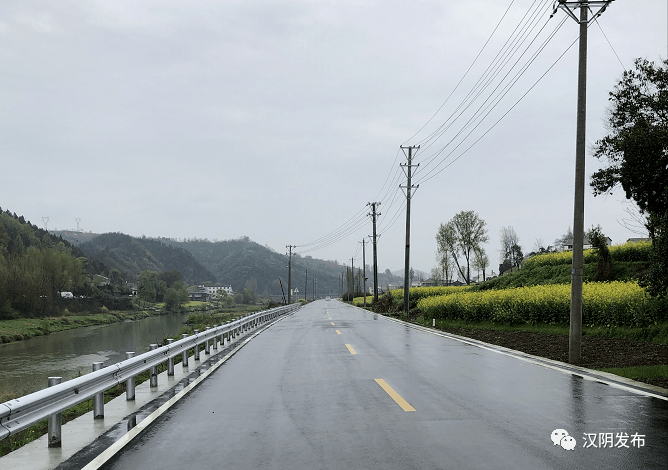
570	7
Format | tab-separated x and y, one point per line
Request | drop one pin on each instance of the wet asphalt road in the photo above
297	397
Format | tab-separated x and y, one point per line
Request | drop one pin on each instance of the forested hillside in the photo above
131	256
35	266
244	263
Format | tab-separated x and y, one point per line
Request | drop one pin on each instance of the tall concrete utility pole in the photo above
305	284
575	331
290	247
374	214
352	271
407	169
364	267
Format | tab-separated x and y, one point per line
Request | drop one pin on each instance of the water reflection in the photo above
25	365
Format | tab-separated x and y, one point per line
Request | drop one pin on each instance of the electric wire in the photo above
465	74
517	40
500	60
504	115
610	44
485	109
492	93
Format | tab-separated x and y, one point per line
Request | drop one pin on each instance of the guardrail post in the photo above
215	340
98	399
154	370
130	382
170	361
196	347
184	355
207	343
55	420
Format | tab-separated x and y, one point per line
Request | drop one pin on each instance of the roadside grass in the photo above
654	333
640	373
651	334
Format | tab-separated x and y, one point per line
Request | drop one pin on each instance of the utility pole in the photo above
290	247
352	271
407	169
364	267
375	255
575	331
305	283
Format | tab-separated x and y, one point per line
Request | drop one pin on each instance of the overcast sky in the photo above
280	120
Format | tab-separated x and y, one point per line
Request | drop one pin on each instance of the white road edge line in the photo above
117	446
581	371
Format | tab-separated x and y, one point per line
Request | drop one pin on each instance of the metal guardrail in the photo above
20	413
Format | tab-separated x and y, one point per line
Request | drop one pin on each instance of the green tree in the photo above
636	153
147	286
461	236
170	277
176	296
600	243
248	296
517	256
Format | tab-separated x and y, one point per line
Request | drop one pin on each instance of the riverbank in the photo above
25	328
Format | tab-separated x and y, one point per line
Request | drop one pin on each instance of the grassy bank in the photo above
26	328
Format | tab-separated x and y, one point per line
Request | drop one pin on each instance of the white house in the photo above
214	290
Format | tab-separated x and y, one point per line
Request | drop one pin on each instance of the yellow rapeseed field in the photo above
604	303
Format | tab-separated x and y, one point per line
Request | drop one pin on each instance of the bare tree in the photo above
566	237
446	264
481	262
508	239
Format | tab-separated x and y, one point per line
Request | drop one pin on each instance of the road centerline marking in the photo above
350	348
332	323
337	332
395	396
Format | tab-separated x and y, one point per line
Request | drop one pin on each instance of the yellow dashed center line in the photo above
337	332
350	348
395	396
332	323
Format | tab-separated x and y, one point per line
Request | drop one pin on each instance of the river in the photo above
26	365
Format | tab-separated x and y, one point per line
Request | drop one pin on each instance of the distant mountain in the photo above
132	255
238	262
241	261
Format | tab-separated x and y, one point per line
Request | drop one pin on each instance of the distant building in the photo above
586	244
198	293
215	290
638	239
